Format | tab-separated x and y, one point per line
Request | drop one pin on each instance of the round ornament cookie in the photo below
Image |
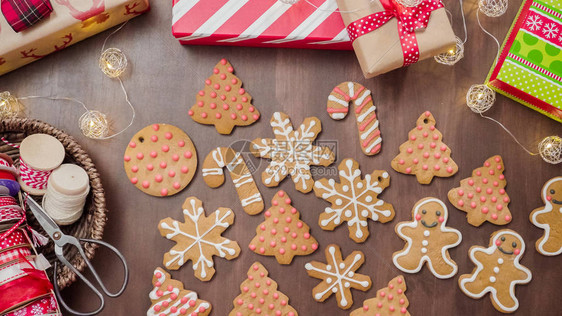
160	160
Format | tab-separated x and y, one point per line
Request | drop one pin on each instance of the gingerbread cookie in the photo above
338	276
483	195
169	298
199	238
354	200
497	270
549	218
390	300
283	234
223	102
365	113
160	160
259	296
292	152
213	174
425	154
428	240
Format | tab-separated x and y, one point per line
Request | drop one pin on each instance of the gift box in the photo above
70	22
529	68
387	35
269	23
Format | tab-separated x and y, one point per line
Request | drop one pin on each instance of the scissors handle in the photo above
94	273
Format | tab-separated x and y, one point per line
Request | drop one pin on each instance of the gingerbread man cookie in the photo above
292	152
354	200
365	113
497	270
223	102
199	238
425	154
169	298
549	218
338	276
160	160
428	240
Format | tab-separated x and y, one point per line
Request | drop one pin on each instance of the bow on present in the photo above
21	14
409	19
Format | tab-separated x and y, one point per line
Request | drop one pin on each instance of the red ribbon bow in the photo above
409	20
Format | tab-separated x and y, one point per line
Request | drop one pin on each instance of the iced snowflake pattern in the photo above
534	23
354	200
199	238
292	152
550	30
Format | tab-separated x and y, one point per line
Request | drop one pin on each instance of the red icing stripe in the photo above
369	120
368	140
343	94
332	110
359	108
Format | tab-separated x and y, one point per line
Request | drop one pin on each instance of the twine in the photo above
33	178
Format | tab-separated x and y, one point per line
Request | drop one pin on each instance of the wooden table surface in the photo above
162	82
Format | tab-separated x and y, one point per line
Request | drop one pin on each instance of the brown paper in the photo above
380	51
70	22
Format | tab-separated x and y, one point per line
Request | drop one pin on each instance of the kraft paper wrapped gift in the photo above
380	50
70	22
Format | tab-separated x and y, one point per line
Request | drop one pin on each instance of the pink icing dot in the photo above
441	219
470	195
425	167
437	155
158	178
218	115
403	310
485	210
267	213
460	203
399	291
244	99
251	306
273	231
233	116
415	161
494	216
275	202
502	191
145	184
299	225
399	280
432	145
294	235
293	210
472	205
505	199
408	170
163	164
273	243
418	217
410	150
443	148
382	294
281	210
154	138
470	182
262	227
499	207
487	164
427	113
286	229
365	307
491	172
283	239
175	157
157	307
213	106
482	199
413	137
200	104
391	308
485	180
460	192
287	201
507	218
204	115
187	154
426	155
127	158
155	127
435	136
489	191
288	219
502	177
425	134
227	88
140	156
445	159
390	297
314	246
379	305
171	173
134	180
223	61
134	168
436	167
499	167
496	183
391	286
282	251
164	192
245	289
494	199
402	301
241	91
184	169
478	189
262	250
419	127
401	162
262	239
244	117
165	148
153	154
132	144
240	301
176	185
478	173
201	92
255	117
181	143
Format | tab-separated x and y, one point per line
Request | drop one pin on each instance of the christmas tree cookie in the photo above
169	298
354	200
292	152
259	296
338	276
424	154
223	102
283	234
549	218
483	195
497	270
390	300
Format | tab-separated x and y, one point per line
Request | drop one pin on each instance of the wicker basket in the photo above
92	222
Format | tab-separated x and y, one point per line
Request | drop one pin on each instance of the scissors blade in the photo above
43	218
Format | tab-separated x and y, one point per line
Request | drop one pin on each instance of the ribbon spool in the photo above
8	175
40	154
67	189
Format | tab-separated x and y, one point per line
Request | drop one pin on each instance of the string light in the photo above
492	8
113	62
480	98
453	55
550	149
9	106
94	124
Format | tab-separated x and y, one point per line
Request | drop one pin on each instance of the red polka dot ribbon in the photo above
409	20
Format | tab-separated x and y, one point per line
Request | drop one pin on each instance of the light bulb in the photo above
113	62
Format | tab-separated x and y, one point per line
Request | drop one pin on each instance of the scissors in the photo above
61	240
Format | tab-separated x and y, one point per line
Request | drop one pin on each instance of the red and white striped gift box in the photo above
266	23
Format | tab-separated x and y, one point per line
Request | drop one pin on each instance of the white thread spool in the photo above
67	190
42	153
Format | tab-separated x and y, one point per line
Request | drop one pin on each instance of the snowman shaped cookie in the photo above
428	240
497	270
549	218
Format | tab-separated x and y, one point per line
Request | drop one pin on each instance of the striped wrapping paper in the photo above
529	69
267	23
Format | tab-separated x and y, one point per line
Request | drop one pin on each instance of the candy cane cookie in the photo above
213	174
365	112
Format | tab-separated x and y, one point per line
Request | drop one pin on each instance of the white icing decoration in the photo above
496	270
442	255
548	207
198	240
341	274
479	267
355	216
244	183
424	250
426	233
492	279
291	152
425	242
328	280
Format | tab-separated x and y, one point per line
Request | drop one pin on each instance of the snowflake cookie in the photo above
338	276
260	296
169	298
549	218
292	152
198	238
354	200
497	270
